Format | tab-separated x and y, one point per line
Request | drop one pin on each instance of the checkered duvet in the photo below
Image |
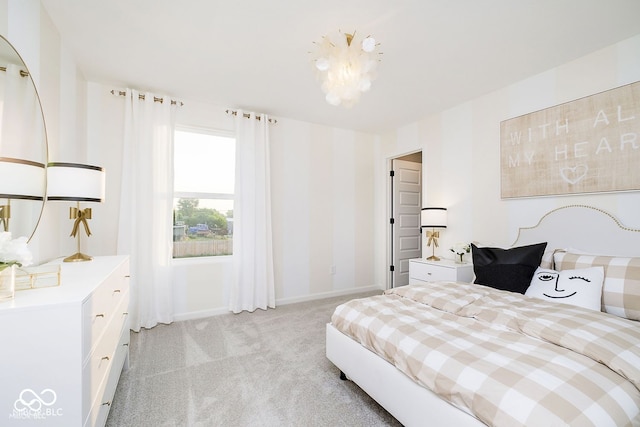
507	359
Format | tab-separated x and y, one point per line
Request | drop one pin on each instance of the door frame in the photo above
389	211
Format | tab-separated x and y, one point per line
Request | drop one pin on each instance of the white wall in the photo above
322	199
461	153
323	187
330	185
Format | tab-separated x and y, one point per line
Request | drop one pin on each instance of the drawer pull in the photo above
125	344
116	291
107	403
99	315
105	358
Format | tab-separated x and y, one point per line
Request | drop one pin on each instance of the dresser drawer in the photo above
100	359
98	369
100	308
101	403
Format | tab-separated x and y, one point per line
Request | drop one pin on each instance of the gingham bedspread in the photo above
507	359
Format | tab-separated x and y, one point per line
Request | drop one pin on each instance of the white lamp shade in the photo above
21	179
433	217
75	182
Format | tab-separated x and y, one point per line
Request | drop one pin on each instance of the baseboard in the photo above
329	294
192	315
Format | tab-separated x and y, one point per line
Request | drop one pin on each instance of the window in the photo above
203	184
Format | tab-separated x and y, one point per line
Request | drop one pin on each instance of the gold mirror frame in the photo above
25	212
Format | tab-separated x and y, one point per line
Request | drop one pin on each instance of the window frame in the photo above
209	259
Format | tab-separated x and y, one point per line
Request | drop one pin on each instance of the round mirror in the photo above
23	146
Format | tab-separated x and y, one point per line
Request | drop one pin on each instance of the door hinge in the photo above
392	173
392	221
392	268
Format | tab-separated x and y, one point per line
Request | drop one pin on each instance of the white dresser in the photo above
62	349
421	270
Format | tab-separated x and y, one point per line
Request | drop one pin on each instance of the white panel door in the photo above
407	203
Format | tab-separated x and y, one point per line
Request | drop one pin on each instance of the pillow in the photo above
576	287
507	269
547	259
621	287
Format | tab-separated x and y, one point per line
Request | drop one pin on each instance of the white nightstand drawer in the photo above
421	270
431	273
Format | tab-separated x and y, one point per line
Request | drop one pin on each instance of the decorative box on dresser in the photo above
422	270
63	348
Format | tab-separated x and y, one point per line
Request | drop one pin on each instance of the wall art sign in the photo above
588	145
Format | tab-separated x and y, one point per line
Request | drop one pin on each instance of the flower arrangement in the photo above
13	251
460	249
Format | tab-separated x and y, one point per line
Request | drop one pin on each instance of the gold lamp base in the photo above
80	216
433	241
78	257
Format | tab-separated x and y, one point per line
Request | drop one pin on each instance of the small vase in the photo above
459	259
7	282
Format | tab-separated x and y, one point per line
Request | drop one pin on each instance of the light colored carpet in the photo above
266	368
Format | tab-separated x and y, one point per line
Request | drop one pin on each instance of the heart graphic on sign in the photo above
574	174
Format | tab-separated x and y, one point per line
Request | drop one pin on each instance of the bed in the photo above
464	354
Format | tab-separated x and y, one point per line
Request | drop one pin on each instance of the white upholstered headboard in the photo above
583	228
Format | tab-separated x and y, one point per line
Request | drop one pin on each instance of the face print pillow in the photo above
577	287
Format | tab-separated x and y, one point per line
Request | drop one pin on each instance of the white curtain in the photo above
253	282
146	208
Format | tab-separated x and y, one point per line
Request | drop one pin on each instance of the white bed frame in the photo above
579	227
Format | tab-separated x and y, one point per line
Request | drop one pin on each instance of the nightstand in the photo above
422	270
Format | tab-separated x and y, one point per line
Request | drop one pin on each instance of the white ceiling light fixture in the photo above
346	67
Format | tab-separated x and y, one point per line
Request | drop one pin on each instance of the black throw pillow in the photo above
507	269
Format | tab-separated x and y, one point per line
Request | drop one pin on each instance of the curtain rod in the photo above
141	96
22	72
247	115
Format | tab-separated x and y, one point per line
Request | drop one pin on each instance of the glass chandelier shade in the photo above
345	66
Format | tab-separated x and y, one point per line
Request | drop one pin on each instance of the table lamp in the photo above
433	218
76	182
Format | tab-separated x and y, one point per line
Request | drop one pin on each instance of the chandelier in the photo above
345	67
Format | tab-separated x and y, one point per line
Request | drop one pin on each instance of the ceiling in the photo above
254	54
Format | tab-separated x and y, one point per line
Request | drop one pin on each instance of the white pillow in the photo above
582	287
